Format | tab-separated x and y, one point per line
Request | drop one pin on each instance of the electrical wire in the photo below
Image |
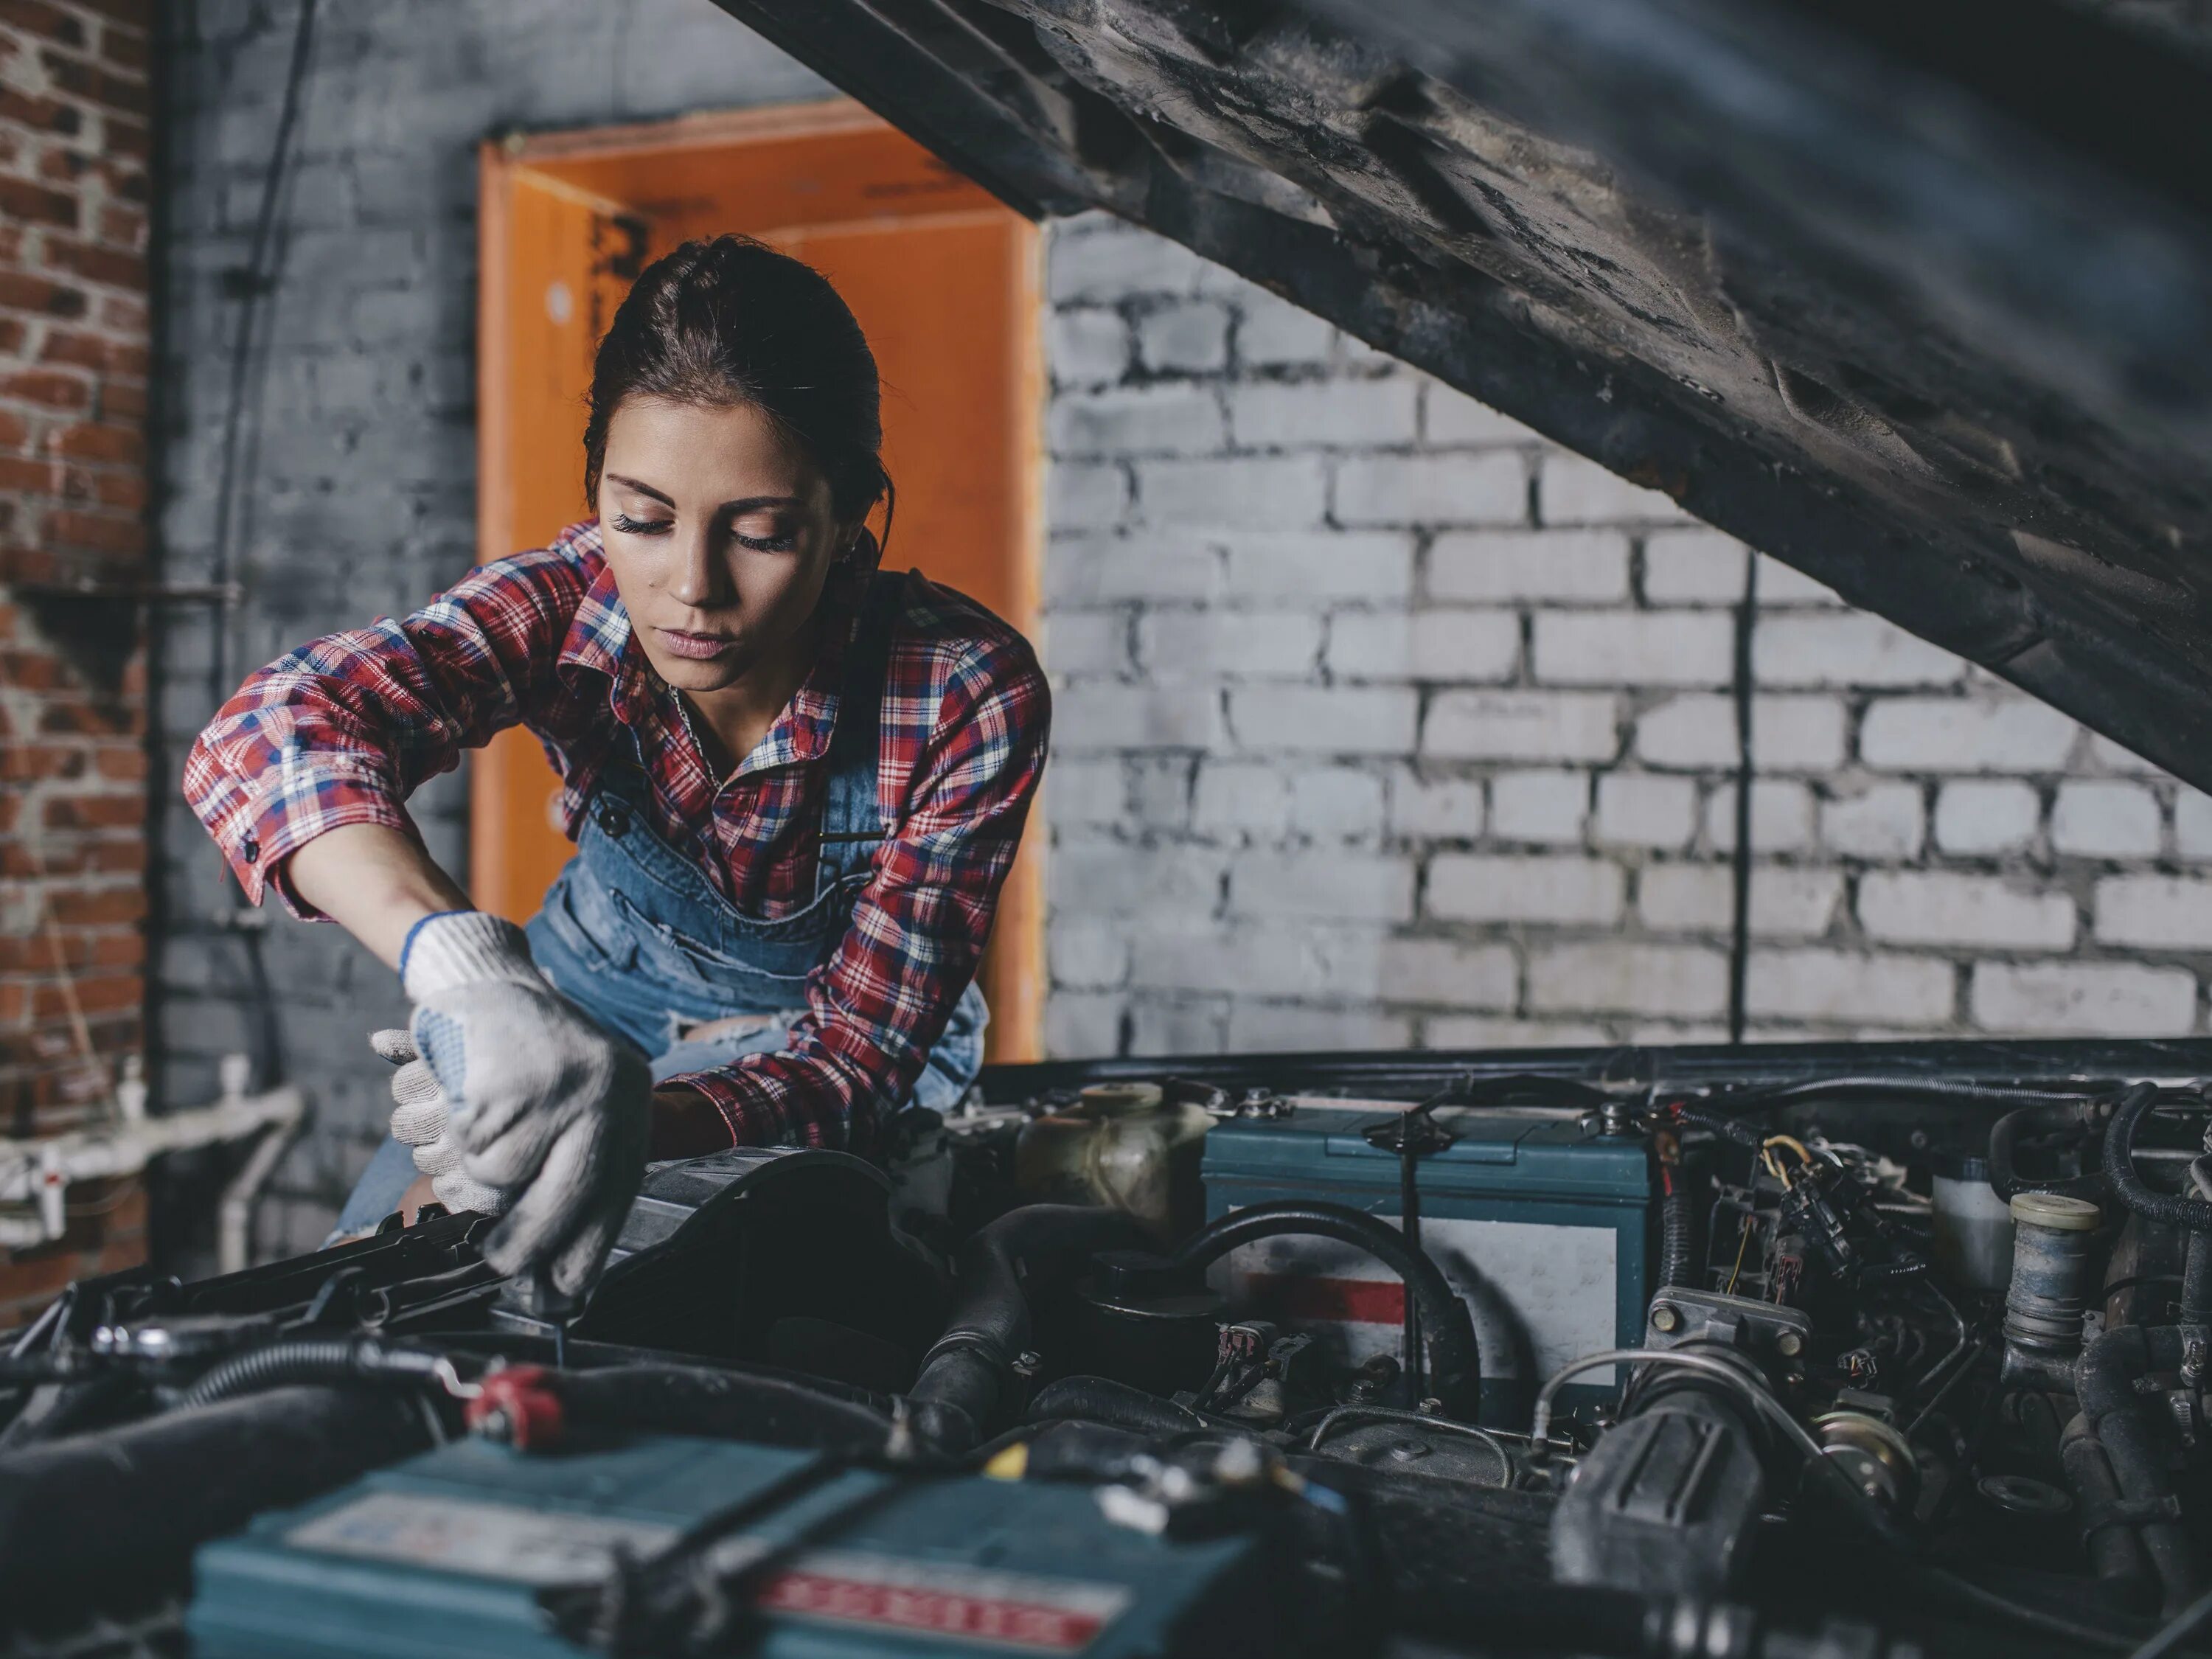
1742	1243
1747	619
253	285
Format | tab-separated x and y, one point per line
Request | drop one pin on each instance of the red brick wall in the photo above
75	112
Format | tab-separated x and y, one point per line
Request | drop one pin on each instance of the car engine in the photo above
1889	1351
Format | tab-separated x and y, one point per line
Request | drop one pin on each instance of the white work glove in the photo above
420	1120
546	1106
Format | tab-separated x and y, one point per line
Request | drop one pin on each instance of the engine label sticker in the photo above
1541	1294
490	1541
1003	1609
541	1547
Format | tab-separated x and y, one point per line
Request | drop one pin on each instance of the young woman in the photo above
795	782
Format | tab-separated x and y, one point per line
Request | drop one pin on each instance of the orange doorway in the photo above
942	278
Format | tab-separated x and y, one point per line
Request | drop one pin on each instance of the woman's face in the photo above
719	533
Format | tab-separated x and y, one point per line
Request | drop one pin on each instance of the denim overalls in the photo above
634	934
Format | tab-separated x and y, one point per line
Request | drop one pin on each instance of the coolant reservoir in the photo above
1122	1144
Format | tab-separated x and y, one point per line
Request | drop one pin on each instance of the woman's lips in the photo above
698	647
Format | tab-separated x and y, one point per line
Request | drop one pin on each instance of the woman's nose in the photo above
696	579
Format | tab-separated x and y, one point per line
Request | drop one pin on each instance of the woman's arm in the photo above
340	732
374	882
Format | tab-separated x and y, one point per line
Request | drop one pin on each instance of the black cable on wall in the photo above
1746	618
250	286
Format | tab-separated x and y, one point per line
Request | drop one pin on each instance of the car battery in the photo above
447	1554
1545	1225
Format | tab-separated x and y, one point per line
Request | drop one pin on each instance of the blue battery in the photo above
446	1554
1545	1225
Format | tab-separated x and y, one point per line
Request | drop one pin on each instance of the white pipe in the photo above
39	1171
234	1247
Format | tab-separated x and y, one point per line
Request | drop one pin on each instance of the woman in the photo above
796	783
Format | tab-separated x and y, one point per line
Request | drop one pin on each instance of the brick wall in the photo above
1381	722
75	112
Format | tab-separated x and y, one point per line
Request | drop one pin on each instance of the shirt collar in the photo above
601	641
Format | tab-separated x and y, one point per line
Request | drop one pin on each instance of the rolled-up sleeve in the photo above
344	729
919	928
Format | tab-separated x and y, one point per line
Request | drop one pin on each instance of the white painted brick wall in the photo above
1379	721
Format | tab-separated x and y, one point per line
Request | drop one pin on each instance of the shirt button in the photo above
614	820
249	849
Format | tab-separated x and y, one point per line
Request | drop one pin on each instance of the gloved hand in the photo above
420	1119
546	1105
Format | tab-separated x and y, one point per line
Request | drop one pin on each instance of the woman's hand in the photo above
544	1103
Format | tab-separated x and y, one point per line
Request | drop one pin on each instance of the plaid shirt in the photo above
344	729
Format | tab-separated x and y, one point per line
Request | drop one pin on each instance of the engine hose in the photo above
85	1518
2130	1188
2105	1381
312	1359
2048	1118
1457	1361
967	1387
1102	1400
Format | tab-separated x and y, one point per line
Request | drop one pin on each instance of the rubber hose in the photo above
2104	1379
307	1359
126	1507
1457	1361
1102	1400
967	1384
2175	1211
2005	1133
2116	1553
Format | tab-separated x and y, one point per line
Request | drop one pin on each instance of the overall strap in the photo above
852	818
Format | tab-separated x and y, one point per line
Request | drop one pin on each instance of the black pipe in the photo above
310	1360
1450	1327
2115	1552
716	1403
2194	1213
1102	1400
967	1386
2197	1280
122	1510
2104	1379
2046	1119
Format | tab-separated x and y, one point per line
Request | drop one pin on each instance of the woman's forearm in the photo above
374	882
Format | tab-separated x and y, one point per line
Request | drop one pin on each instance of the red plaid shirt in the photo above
344	729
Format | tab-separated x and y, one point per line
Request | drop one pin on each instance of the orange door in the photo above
943	280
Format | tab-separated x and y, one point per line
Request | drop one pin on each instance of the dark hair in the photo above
733	321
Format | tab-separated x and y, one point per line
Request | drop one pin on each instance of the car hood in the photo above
1916	297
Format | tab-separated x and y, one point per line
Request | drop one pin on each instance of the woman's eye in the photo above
631	526
782	543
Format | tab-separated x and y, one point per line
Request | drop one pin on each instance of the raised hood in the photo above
1914	294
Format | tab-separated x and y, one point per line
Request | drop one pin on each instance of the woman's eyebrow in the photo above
641	488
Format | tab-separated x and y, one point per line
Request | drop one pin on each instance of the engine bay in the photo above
1877	1350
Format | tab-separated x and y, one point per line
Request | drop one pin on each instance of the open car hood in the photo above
1913	294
